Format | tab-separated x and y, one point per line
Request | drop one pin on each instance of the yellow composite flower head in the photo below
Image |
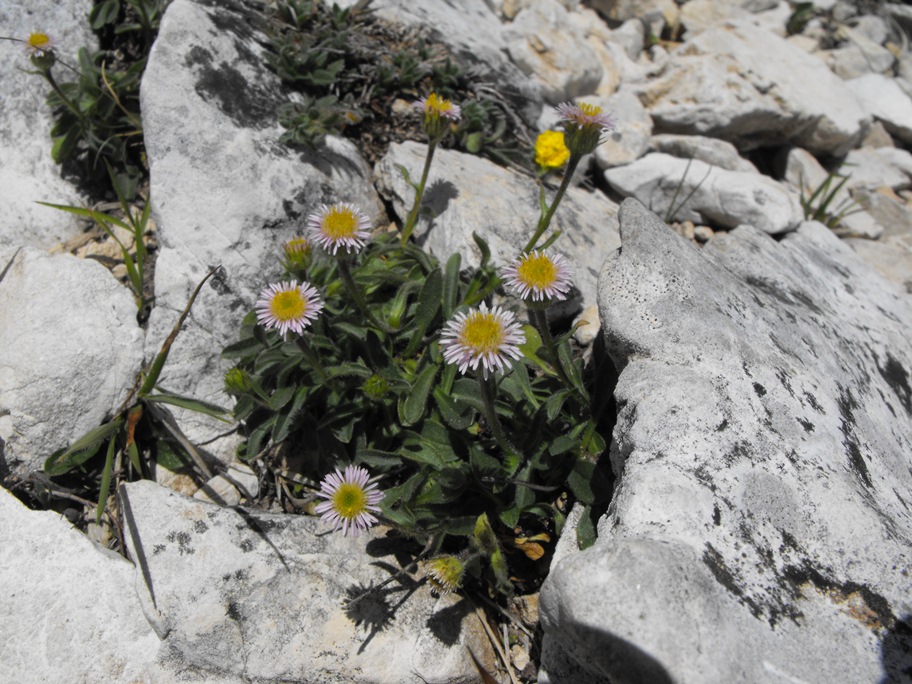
539	276
445	574
351	500
340	225
584	125
288	306
486	337
550	150
39	44
438	113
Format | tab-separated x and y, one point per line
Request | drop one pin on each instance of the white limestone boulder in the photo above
550	49
630	140
751	87
761	527
28	174
885	101
469	194
246	595
71	613
224	190
71	350
710	150
702	193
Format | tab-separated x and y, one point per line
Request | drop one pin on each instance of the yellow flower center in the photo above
537	271
349	500
437	105
288	305
589	109
550	150
340	223
482	333
39	41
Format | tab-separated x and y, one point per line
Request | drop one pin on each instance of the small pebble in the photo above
703	233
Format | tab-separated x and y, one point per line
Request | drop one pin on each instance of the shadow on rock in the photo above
446	624
373	606
896	652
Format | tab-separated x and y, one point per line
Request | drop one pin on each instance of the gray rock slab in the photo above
467	193
472	32
751	87
71	350
879	167
719	197
761	527
710	150
224	190
858	55
71	613
886	101
547	47
28	174
257	596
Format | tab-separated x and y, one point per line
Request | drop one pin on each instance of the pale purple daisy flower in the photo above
39	44
539	274
288	306
434	106
339	225
482	336
350	498
586	115
583	127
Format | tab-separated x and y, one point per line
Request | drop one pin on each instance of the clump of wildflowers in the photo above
339	225
539	276
550	150
288	306
351	500
484	337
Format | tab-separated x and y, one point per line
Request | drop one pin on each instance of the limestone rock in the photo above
467	193
879	167
71	613
752	88
266	600
765	536
630	36
886	102
546	46
623	10
858	54
224	190
631	138
71	351
715	152
28	174
720	197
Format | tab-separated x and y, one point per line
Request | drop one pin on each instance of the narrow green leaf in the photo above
457	414
484	249
105	480
84	448
285	419
242	349
377	458
451	285
411	409
197	405
580	481
428	305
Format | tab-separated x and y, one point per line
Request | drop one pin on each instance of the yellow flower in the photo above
550	150
39	44
438	113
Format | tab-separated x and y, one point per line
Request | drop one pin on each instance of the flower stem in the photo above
545	220
540	321
49	77
355	294
312	358
486	385
412	218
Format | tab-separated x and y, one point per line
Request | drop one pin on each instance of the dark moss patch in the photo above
806	424
847	406
898	380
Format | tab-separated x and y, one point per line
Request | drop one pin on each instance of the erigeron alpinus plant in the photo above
391	378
